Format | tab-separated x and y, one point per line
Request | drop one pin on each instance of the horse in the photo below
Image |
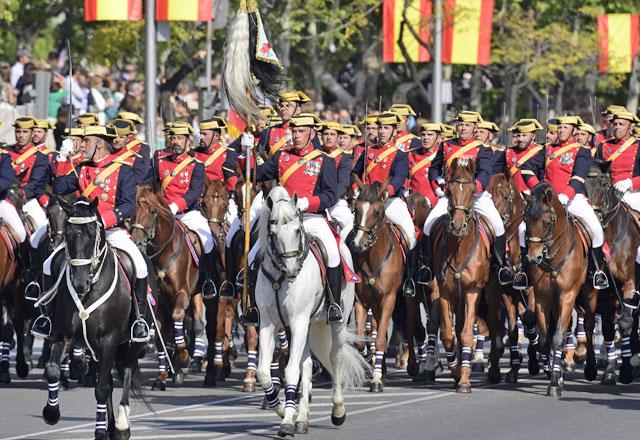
379	261
622	232
290	293
558	263
154	228
462	265
92	287
510	205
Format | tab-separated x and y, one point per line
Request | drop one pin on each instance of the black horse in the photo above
93	290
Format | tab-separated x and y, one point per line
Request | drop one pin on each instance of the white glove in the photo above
623	186
303	204
65	150
564	199
428	202
439	192
174	208
247	141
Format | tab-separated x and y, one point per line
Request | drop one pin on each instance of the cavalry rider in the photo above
74	135
523	148
126	151
552	131
218	160
584	135
336	143
39	136
466	146
86	120
384	161
486	133
623	154
566	164
182	179
606	132
31	166
102	177
370	135
134	143
259	126
8	213
304	170
420	161
404	140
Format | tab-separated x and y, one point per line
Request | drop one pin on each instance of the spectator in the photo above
129	72
23	57
95	100
133	101
119	93
57	95
108	89
7	95
26	85
79	91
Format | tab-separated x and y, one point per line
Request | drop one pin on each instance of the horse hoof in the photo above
22	370
376	387
286	429
302	427
580	355
5	378
64	382
226	371
196	366
123	435
101	434
249	387
609	378
477	367
570	366
412	369
494	377
158	386
209	381
626	373
554	391
265	404
511	377
338	421
533	366
463	388
590	371
51	414
42	362
89	381
219	374
178	378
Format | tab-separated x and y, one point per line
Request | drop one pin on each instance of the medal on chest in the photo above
312	168
566	159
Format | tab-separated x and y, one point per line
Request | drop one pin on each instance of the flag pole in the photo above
436	99
150	73
208	67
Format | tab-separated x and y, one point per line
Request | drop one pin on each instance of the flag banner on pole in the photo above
107	10
184	10
618	41
466	31
236	124
417	14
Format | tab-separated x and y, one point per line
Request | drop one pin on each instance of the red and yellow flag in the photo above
418	14
236	125
466	31
101	10
618	41
184	10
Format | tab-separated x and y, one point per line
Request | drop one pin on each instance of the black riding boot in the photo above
26	275
228	287
520	279
599	278
505	274
425	273
409	285
333	289
208	286
252	318
140	328
634	302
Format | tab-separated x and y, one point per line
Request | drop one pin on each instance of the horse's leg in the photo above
515	358
218	362
302	420
161	378
563	321
625	325
251	342
528	317
199	333
360	314
267	348
448	338
211	313
382	312
433	324
607	313
103	387
123	426
229	347
466	340
6	336
569	348
479	335
543	318
580	353
495	326
182	354
297	348
22	368
51	412
411	319
591	366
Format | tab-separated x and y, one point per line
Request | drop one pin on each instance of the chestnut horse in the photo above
154	228
623	235
379	262
462	266
558	264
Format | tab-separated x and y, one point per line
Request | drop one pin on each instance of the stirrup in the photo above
602	278
240	278
409	284
227	290
522	284
249	320
146	326
424	275
32	291
336	309
632	303
47	324
209	284
501	274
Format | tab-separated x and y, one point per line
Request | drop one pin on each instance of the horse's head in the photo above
461	192
602	196
86	244
282	223
57	213
240	190
503	195
540	217
214	205
369	214
144	220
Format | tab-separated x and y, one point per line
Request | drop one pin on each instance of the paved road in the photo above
405	410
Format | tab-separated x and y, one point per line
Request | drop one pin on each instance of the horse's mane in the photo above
154	200
536	206
370	192
284	212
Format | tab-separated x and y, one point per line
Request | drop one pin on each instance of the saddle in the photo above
320	253
586	237
635	215
486	231
126	264
402	240
9	237
193	243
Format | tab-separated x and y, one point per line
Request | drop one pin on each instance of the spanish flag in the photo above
417	14
236	125
184	10
618	41
466	31
102	10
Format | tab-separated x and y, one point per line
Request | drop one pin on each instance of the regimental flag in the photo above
618	41
418	14
236	124
101	10
184	10
466	31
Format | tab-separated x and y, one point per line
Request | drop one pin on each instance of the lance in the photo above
366	146
247	228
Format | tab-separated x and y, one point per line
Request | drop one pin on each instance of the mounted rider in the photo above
466	146
8	213
103	177
420	161
486	132
181	177
128	151
134	143
385	161
623	154
566	164
606	132
404	140
584	135
306	171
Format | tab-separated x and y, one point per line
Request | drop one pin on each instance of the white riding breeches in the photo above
9	215
343	216
633	200
232	212
33	209
482	205
522	233
397	212
117	238
195	221
254	213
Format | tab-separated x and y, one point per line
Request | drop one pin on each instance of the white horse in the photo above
289	292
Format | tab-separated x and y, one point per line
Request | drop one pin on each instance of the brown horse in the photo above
154	228
510	205
623	235
558	264
379	261
462	265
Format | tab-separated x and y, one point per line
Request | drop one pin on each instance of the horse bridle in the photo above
299	254
97	259
372	233
605	212
220	222
548	240
468	210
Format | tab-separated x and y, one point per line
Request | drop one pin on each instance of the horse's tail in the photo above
354	367
136	389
